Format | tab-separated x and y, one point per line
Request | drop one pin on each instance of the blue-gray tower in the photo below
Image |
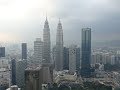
86	52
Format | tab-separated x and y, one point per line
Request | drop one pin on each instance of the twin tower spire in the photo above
47	45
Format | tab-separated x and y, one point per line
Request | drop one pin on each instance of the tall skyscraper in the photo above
46	43
24	51
2	51
36	76
47	73
59	48
13	72
21	65
78	60
33	78
72	59
38	51
86	52
66	58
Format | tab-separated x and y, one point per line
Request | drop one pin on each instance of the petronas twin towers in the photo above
46	43
59	48
47	46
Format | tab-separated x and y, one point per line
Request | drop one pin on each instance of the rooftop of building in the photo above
14	87
33	67
65	76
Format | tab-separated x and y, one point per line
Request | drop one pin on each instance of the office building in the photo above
36	76
2	51
24	51
72	59
113	60
86	52
47	73
77	60
38	51
33	79
59	48
46	43
21	65
4	78
66	58
13	72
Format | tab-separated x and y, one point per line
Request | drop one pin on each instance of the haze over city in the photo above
59	45
23	20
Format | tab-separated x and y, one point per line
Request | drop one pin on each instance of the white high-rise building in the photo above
112	59
46	43
72	58
38	51
59	48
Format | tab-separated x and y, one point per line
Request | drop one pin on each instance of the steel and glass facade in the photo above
86	52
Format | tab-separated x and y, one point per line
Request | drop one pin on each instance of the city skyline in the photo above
59	45
15	25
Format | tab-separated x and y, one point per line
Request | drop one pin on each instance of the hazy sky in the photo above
23	20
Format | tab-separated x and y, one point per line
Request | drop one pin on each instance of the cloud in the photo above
27	23
101	15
